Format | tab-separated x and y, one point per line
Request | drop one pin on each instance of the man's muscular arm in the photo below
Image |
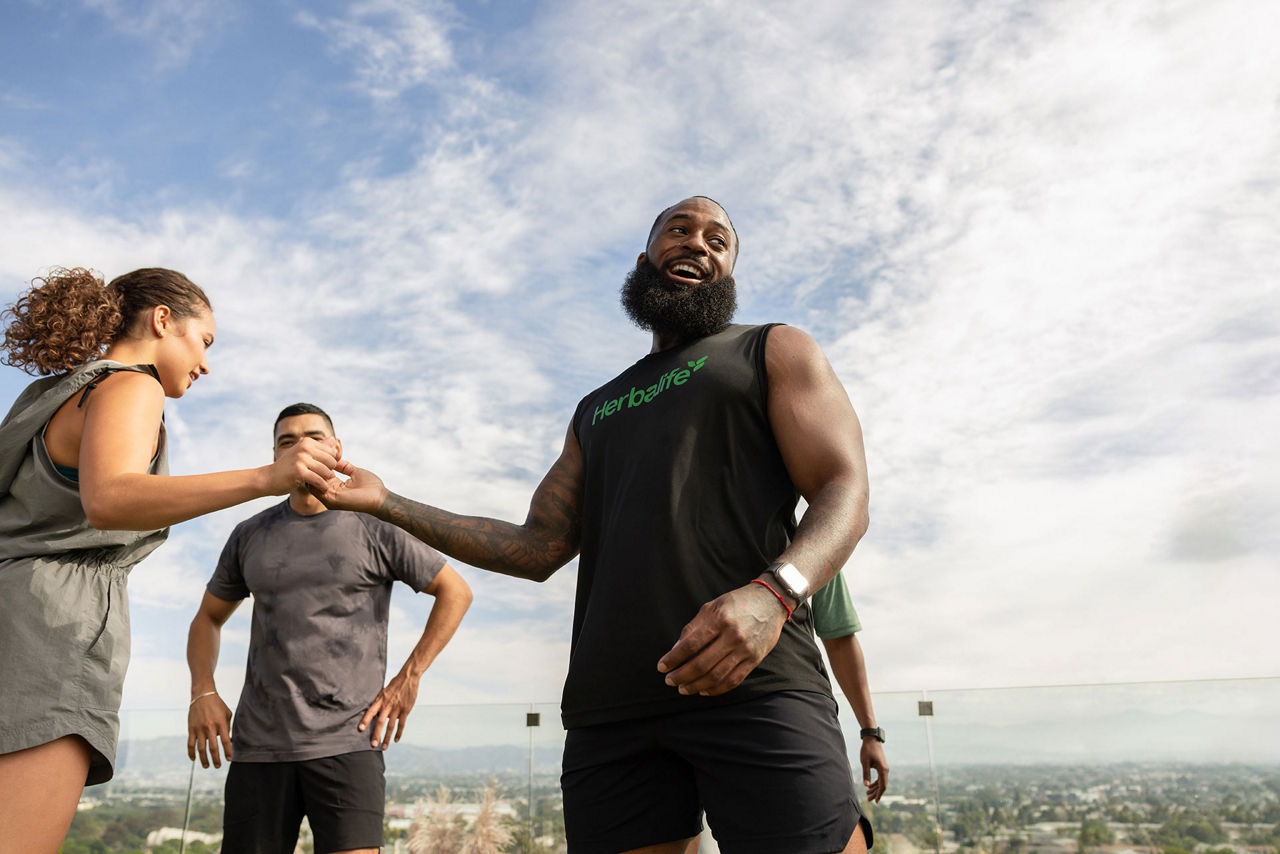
820	441
548	539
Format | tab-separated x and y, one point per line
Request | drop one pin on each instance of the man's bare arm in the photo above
820	441
208	717
390	709
548	539
850	669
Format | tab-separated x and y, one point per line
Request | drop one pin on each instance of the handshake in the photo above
316	465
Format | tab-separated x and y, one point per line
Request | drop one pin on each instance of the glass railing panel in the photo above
1203	722
1157	768
1144	767
905	820
478	763
146	806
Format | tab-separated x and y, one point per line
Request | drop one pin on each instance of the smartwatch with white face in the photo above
790	579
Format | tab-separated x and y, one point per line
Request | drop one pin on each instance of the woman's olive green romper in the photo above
64	615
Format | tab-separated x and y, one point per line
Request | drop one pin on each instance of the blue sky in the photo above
1037	241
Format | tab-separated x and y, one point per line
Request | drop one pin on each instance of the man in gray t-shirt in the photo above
321	583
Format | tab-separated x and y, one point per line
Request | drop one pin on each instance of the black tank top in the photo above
686	497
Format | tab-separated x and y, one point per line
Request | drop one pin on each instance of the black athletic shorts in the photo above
771	773
343	798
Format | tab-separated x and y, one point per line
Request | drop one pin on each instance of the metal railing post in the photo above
531	719
925	708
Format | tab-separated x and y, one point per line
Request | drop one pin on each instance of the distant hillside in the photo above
163	762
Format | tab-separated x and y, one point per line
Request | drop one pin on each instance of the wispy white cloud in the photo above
396	44
14	98
174	29
13	155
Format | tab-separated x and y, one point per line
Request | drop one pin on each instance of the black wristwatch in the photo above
873	732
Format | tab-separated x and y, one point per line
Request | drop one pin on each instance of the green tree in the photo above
1138	836
1095	832
977	818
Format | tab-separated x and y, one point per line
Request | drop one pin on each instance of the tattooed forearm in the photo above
485	543
548	539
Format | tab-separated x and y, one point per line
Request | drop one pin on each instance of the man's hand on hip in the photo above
390	709
208	722
725	641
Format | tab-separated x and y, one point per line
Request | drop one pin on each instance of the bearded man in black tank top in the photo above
694	680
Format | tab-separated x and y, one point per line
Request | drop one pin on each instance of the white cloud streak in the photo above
172	29
397	44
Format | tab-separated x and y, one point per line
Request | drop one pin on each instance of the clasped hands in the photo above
352	488
318	466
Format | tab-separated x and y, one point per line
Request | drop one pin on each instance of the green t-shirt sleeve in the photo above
833	614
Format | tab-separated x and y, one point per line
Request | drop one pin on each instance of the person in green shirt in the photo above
836	623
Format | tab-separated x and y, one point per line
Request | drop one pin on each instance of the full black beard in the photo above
653	303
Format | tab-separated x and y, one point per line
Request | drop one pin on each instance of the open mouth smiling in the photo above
686	272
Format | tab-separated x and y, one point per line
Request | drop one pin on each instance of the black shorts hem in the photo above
824	843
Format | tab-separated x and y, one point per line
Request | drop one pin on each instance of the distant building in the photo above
174	834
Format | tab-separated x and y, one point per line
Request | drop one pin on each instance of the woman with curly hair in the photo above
84	496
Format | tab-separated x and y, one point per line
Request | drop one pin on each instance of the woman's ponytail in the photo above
66	319
69	317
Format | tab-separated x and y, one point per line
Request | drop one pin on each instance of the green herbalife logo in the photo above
640	396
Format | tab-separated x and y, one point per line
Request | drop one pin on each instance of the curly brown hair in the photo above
70	317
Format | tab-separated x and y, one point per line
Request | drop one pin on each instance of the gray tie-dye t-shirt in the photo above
321	589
